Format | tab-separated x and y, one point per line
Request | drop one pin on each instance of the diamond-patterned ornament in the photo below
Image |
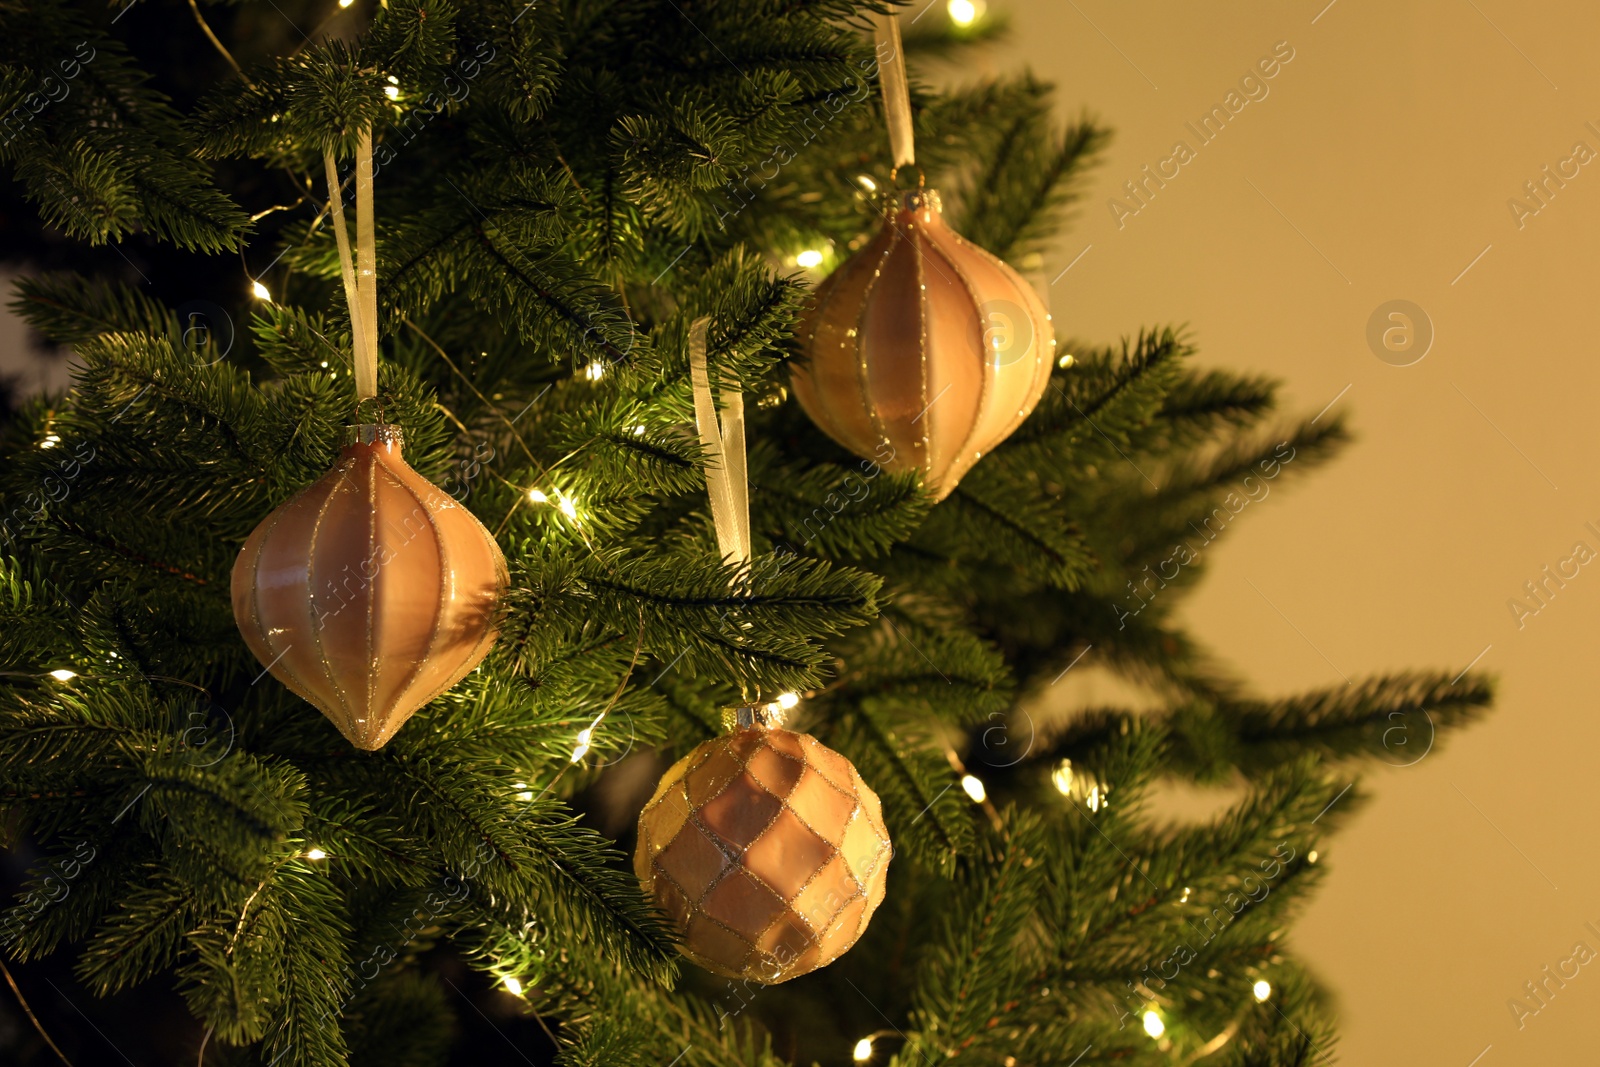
767	851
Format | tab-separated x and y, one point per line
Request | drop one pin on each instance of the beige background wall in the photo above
1379	167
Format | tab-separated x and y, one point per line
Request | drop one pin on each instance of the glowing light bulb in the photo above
974	788
1153	1025
1066	360
863	1050
392	92
788	700
1262	989
342	3
1311	857
63	675
1185	898
1061	778
638	431
585	735
50	441
537	496
260	291
316	854
867	183
595	371
963	12
513	986
568	508
811	257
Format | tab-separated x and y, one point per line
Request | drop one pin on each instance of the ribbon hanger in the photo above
360	276
896	89
727	477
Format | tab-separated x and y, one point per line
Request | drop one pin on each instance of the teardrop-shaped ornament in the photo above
924	351
370	592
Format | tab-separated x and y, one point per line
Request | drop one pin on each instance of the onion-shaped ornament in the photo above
924	351
765	849
370	592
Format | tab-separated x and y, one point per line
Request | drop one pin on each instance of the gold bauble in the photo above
370	592
766	850
924	351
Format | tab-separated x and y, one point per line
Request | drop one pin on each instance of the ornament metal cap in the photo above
753	716
373	433
922	200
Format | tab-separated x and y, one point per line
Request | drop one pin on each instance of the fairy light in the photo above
811	257
867	183
595	371
537	496
346	3
788	700
526	793
974	788
1096	798
50	441
963	12
638	431
568	508
392	92
513	986
1262	989
1061	778
1066	360
582	750
1185	898
316	854
1153	1025
260	291
63	675
1311	857
863	1050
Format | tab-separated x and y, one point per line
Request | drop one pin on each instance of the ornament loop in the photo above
378	404
922	175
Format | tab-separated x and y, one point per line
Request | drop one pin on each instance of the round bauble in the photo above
923	350
767	852
371	592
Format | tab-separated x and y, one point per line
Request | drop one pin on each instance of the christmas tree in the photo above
205	871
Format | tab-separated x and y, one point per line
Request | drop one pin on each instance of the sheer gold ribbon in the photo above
361	275
896	90
727	479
